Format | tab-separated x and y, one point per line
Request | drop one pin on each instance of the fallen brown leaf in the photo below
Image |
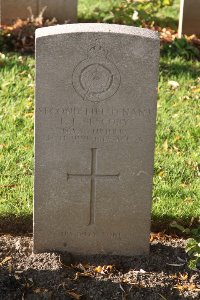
183	276
79	274
8	186
161	173
98	269
180	287
157	236
187	287
177	138
165	145
105	269
196	90
5	260
173	276
74	295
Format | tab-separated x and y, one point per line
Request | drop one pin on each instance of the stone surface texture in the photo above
95	118
189	20
62	10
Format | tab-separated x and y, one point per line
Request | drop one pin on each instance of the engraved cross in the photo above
93	176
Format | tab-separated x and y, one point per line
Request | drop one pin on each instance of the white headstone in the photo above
189	20
11	10
62	10
95	119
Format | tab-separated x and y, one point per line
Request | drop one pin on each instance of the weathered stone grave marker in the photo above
189	19
62	10
96	89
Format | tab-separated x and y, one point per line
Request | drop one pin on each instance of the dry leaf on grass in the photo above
161	173
165	145
173	84
8	186
196	90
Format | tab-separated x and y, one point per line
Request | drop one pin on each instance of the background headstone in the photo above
13	9
189	19
96	90
62	10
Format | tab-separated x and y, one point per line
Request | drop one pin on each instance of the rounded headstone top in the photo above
96	28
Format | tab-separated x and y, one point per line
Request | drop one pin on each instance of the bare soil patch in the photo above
161	275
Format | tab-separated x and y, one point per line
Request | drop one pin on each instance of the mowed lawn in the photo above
176	193
97	10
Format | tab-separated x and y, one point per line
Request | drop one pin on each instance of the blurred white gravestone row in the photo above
62	10
189	20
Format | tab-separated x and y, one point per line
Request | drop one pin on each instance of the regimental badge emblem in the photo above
96	78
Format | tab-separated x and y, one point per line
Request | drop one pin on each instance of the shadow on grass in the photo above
15	225
24	224
179	68
125	282
163	223
158	21
166	22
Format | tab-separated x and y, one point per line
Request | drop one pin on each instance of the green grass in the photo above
96	10
92	10
16	140
177	157
171	11
176	193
